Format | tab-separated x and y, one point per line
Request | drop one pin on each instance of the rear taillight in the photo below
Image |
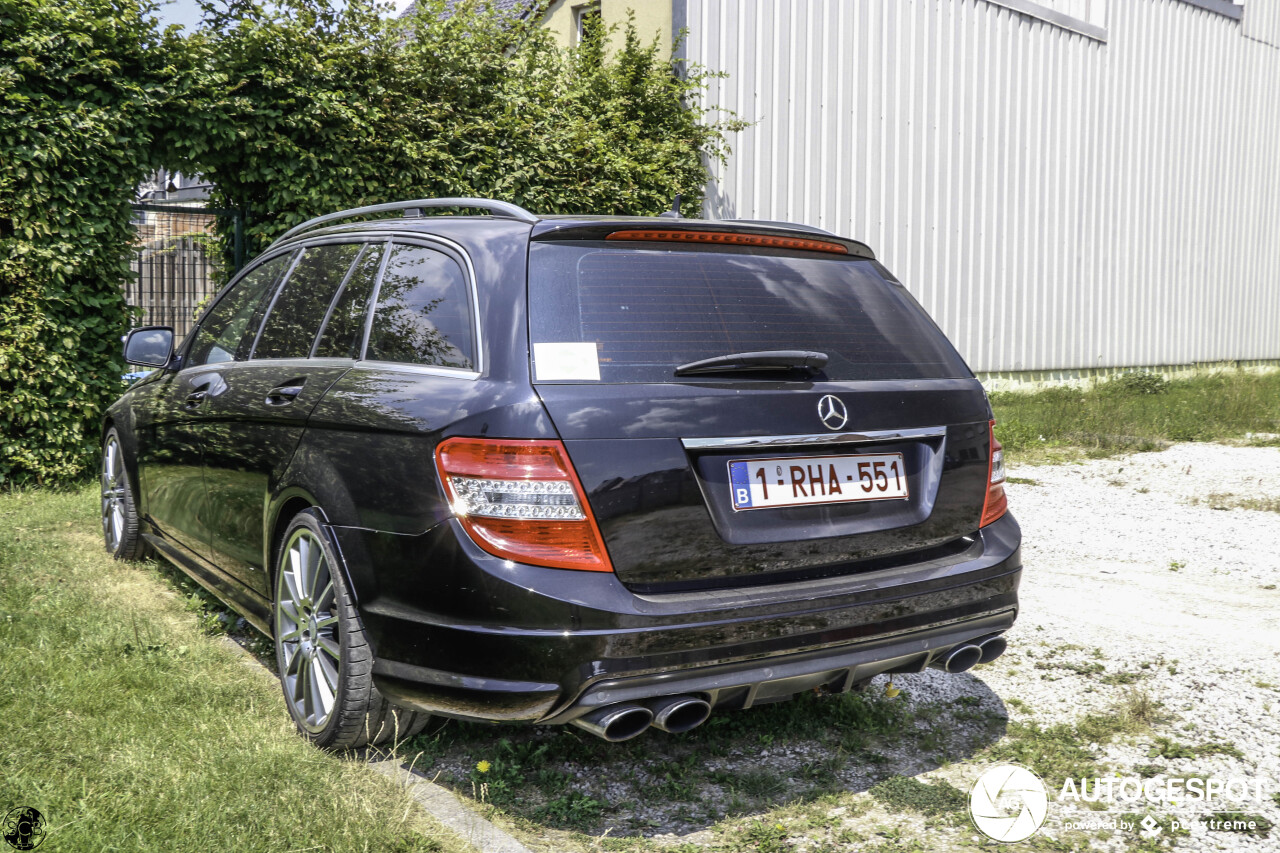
996	503
522	500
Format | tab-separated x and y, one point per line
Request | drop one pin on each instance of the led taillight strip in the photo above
521	500
729	238
996	503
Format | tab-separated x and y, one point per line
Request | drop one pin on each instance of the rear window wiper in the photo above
776	359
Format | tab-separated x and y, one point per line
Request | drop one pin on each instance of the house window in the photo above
586	22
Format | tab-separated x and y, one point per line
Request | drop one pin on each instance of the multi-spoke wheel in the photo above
119	515
307	631
326	667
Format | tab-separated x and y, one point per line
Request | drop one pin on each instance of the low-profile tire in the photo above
119	512
323	654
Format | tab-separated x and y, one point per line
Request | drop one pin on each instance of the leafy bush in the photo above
1137	382
303	108
79	86
291	109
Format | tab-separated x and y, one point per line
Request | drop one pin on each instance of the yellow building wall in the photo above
653	18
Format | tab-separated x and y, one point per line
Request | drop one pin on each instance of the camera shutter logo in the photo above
1008	803
23	828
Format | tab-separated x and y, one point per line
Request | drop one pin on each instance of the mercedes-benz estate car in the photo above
610	471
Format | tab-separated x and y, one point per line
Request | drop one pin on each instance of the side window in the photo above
343	334
299	310
423	315
227	332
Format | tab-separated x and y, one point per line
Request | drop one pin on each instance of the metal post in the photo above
237	230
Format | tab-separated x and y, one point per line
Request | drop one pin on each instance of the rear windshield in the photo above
648	311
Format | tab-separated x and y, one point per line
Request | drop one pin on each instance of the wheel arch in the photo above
283	510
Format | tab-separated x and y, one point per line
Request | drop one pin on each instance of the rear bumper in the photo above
460	633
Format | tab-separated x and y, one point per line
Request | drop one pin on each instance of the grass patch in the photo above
1143	412
1164	747
1226	500
936	797
1061	751
130	728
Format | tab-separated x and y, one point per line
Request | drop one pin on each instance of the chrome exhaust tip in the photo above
962	657
616	723
992	649
677	714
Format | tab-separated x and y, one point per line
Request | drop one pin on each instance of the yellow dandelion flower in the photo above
483	766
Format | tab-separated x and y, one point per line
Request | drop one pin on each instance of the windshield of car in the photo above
647	311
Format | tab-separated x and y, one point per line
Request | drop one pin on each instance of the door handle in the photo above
194	399
283	395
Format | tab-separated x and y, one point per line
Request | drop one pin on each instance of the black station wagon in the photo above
610	471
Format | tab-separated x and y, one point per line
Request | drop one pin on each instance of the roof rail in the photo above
497	208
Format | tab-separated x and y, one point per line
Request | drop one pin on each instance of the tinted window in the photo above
228	331
344	332
298	311
422	315
648	311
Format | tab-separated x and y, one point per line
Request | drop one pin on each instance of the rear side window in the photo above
228	331
648	311
300	307
423	314
343	333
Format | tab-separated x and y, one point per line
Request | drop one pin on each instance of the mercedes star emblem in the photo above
832	412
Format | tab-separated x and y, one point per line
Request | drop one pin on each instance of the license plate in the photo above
797	481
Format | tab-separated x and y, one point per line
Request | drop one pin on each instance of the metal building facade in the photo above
1057	199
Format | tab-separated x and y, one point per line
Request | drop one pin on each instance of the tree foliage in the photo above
300	108
291	109
79	86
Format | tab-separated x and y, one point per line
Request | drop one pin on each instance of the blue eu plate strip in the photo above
741	482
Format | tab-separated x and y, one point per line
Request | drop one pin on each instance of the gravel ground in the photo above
1151	574
1152	559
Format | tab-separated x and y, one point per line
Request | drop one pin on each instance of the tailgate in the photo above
661	482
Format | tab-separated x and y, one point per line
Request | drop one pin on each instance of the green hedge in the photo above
79	86
291	110
308	109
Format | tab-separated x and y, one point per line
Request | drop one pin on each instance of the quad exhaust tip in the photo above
677	714
616	723
992	649
968	655
674	714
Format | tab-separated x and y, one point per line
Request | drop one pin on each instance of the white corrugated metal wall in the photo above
1055	201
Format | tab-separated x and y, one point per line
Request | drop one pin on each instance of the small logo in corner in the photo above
832	413
1150	827
23	828
1008	803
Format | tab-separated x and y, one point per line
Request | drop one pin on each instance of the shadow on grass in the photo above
738	763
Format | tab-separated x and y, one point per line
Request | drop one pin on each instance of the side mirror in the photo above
150	346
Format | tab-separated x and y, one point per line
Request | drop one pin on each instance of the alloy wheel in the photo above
307	631
113	494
